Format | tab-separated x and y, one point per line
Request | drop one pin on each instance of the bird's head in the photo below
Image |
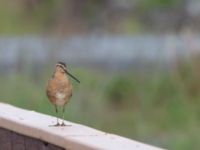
62	68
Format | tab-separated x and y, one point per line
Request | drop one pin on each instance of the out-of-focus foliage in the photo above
158	3
83	16
119	90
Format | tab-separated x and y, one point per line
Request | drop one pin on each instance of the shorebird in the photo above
59	89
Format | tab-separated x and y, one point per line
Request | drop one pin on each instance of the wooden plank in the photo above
18	141
32	144
10	140
5	140
75	136
53	147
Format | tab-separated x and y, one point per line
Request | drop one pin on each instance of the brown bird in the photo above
59	88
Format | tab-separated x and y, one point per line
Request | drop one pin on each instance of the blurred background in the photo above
138	62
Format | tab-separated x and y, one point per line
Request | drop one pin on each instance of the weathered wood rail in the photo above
28	130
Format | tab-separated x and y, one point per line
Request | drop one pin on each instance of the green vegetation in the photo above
159	108
82	16
152	4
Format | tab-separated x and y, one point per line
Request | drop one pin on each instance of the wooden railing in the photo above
28	130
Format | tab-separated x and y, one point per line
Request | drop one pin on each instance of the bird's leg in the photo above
63	115
56	108
57	124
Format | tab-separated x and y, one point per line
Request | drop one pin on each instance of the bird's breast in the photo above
60	95
59	91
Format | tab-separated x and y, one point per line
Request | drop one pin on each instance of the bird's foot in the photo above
55	125
63	124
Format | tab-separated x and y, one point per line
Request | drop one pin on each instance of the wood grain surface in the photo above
10	140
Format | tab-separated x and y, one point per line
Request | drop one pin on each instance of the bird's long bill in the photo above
72	76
